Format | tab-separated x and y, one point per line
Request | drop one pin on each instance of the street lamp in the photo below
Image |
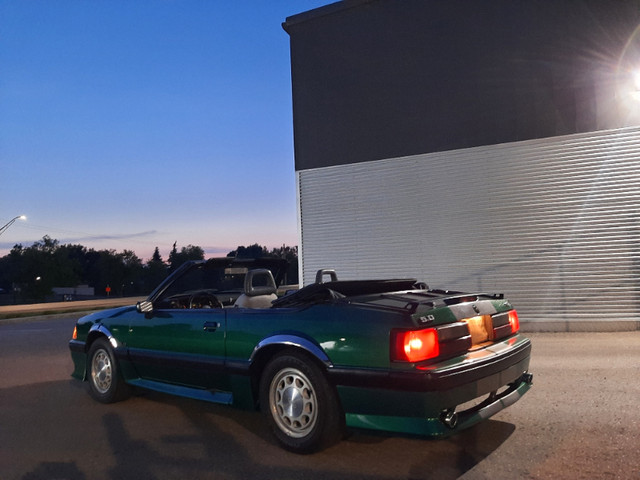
10	222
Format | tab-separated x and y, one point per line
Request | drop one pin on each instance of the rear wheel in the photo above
299	404
105	382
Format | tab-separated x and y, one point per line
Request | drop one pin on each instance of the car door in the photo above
179	346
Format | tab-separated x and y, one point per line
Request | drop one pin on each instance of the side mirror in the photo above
144	307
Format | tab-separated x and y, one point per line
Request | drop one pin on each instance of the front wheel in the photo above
105	382
299	404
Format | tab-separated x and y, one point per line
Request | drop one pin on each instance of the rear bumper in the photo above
430	401
449	421
488	408
502	361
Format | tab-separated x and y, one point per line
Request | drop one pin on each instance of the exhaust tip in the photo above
449	418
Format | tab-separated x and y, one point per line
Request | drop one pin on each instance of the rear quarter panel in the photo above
350	335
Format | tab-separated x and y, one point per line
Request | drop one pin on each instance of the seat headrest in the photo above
259	282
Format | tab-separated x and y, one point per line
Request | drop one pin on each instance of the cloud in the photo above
79	238
122	236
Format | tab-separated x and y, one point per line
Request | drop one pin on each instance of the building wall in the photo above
486	146
376	79
552	223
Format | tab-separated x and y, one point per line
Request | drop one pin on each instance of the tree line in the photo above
30	273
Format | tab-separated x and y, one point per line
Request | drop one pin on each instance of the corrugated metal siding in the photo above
553	223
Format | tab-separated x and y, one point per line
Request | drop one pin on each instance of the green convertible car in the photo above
389	355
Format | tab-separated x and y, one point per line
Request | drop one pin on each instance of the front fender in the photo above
98	330
80	348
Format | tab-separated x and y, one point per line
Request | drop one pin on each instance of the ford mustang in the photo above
390	355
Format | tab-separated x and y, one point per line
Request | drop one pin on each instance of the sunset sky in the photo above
136	124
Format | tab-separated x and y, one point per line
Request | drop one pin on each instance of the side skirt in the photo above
213	396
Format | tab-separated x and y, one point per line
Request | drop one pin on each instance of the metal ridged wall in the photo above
552	223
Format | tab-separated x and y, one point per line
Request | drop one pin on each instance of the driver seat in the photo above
259	290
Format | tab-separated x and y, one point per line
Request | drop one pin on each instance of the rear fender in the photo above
269	347
283	341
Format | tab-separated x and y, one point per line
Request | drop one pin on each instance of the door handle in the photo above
211	326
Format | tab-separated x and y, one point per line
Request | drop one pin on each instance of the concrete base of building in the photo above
580	326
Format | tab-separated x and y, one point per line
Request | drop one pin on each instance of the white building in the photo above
489	146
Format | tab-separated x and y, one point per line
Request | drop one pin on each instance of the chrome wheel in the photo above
299	404
106	383
101	371
293	402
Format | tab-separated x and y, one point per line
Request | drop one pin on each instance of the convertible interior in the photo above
202	286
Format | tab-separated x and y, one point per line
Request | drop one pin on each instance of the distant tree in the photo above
131	281
10	267
41	269
155	271
130	259
156	256
288	253
291	255
32	272
173	255
69	263
111	272
18	272
187	253
125	272
252	251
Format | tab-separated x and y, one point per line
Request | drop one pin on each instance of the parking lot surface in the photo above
580	420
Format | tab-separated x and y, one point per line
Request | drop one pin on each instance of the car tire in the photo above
299	404
105	381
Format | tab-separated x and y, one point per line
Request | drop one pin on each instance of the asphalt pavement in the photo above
580	420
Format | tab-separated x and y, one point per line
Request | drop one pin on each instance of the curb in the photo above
39	318
40	311
579	326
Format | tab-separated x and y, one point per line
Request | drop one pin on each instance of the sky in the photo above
136	124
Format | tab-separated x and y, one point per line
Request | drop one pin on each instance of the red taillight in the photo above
416	345
505	324
513	321
75	333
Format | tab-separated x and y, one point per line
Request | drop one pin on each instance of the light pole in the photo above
10	222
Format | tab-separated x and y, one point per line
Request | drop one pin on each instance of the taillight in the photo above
513	321
505	324
451	339
75	333
415	345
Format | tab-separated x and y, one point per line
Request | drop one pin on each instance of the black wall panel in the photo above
390	78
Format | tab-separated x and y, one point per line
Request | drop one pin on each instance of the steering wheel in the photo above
204	300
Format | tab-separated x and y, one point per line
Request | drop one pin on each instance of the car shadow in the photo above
363	454
60	432
440	458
